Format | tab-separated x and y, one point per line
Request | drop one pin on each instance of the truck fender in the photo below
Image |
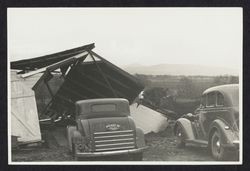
186	126
140	139
131	123
83	126
227	135
70	130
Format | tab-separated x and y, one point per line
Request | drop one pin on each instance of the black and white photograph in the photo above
147	86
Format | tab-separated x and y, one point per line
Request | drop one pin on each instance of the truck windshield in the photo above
103	108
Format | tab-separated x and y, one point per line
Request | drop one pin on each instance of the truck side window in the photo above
211	99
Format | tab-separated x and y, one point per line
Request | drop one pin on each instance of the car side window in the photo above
211	99
203	102
220	100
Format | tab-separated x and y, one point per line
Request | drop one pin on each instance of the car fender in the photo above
186	125
70	130
140	139
227	135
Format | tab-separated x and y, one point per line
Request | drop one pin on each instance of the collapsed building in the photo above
44	89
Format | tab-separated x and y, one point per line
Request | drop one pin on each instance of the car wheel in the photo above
137	157
180	137
217	150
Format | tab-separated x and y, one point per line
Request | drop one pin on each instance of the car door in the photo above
207	114
197	122
223	110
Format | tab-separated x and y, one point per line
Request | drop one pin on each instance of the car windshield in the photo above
235	97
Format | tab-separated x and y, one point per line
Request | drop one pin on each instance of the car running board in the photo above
201	143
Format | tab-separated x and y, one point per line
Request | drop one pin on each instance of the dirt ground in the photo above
162	147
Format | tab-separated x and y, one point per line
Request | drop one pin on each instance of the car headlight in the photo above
236	142
226	127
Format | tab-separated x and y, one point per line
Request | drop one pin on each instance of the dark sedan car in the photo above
215	124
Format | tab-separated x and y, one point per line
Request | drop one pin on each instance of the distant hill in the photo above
179	69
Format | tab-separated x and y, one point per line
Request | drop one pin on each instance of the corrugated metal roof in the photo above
82	80
43	61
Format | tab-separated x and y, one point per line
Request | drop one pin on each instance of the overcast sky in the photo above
124	36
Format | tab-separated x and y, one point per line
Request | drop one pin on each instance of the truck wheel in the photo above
81	159
74	152
137	157
180	137
217	150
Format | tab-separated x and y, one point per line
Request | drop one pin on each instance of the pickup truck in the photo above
103	128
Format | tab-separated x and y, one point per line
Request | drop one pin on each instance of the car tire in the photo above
180	137
218	152
137	157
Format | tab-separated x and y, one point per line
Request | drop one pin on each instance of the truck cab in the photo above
103	127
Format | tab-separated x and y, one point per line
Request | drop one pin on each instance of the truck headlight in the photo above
83	145
83	148
80	147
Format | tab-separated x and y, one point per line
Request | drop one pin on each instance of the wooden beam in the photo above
56	65
67	61
33	72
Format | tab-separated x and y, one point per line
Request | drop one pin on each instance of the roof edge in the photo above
20	63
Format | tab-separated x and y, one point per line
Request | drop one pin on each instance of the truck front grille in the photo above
114	140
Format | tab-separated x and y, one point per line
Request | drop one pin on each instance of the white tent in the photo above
147	119
24	116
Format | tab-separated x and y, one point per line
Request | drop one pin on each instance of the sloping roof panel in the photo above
43	61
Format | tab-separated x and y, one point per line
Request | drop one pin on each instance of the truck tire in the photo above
73	151
180	137
137	156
